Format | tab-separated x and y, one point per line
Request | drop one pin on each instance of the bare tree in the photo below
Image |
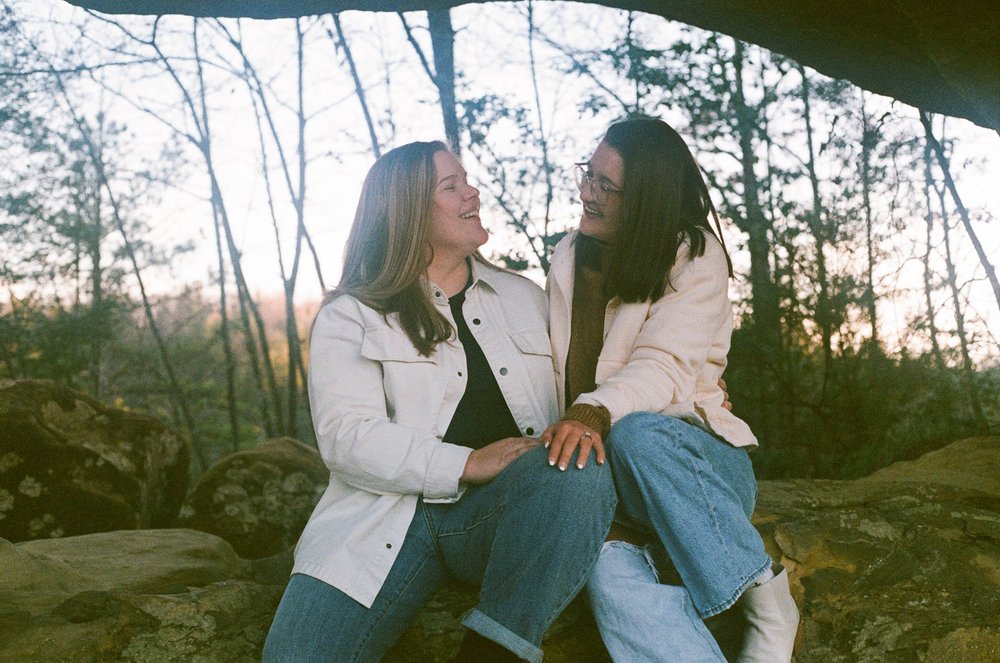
942	158
443	74
340	42
817	224
968	369
928	285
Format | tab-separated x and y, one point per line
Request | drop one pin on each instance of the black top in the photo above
482	415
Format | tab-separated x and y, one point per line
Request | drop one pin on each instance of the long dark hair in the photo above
387	250
664	202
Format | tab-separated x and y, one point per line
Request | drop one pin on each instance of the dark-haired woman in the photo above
640	322
430	378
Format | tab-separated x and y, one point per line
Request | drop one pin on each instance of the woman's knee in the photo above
592	482
593	486
639	433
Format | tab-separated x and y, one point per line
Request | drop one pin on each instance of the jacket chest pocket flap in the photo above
388	345
532	342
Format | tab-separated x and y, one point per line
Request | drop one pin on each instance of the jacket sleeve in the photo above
356	436
674	341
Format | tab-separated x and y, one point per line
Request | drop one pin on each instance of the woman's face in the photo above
601	193
455	225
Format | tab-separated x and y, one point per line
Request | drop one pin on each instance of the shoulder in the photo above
342	308
713	257
708	271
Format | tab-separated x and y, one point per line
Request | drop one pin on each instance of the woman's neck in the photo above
449	273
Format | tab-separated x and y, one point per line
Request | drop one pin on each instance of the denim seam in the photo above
355	656
465	530
746	580
378	620
583	580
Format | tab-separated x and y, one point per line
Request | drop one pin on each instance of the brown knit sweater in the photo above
587	333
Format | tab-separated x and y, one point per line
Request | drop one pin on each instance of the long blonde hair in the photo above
387	250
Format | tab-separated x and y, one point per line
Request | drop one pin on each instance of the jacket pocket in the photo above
533	342
388	345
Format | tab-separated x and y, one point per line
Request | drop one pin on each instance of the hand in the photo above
725	395
563	437
483	465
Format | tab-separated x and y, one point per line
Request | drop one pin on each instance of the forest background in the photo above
176	192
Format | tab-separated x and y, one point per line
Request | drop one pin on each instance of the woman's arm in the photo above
674	342
356	436
669	352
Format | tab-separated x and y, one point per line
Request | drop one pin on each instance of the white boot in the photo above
772	621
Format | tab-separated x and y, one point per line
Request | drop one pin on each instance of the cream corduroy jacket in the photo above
665	356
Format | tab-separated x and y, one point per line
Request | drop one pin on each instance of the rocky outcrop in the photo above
139	596
259	499
72	465
903	566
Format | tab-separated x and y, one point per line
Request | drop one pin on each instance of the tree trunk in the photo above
341	40
818	228
443	46
968	371
991	272
928	286
542	140
869	138
227	348
766	316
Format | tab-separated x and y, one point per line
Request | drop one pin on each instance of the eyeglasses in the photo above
585	177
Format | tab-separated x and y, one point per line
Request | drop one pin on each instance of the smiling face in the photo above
455	227
607	168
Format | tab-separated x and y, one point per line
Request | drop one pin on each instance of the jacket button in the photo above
460	374
475	321
529	431
388	545
503	371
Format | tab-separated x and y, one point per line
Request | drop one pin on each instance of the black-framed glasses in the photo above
599	189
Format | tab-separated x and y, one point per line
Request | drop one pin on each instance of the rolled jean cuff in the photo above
500	634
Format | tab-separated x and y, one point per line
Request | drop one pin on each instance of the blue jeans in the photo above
640	620
529	538
695	493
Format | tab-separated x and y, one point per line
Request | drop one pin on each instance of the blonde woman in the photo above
430	379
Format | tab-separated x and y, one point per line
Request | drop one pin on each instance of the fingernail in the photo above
562	468
579	466
546	445
551	462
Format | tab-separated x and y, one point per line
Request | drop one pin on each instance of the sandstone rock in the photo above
906	569
973	463
140	596
884	571
259	499
72	465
